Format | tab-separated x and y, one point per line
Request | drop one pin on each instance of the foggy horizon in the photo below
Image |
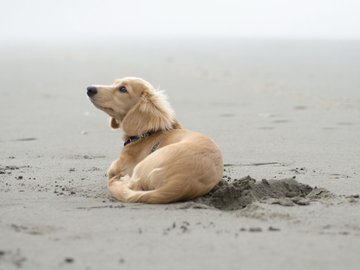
275	19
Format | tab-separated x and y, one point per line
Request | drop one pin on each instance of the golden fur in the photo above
184	165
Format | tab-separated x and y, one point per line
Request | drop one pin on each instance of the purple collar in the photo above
138	137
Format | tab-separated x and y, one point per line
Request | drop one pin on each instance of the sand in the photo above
285	114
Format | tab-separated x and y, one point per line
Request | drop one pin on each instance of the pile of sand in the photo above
232	194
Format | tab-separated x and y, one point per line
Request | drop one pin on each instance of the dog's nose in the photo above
91	91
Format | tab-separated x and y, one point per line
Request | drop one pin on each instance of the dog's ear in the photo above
114	123
151	113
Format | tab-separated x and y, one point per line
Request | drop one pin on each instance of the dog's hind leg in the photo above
128	189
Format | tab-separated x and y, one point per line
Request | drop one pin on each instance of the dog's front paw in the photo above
118	178
114	169
113	179
110	174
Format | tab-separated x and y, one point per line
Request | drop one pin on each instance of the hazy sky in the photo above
35	19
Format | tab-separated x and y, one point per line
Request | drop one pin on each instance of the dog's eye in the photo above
123	89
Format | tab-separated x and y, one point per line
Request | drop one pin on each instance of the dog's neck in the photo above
131	139
134	138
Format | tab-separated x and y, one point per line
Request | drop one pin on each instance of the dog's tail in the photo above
122	191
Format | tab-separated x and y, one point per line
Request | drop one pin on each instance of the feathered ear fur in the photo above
151	113
114	123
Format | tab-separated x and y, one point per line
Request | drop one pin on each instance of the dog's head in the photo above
133	104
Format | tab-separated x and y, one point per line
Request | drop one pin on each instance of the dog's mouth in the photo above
105	109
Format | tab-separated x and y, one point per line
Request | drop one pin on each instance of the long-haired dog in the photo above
161	162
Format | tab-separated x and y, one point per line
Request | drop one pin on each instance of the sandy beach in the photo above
286	115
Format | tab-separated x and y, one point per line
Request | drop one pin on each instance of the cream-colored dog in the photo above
161	162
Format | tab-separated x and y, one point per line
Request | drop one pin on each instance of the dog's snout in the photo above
91	91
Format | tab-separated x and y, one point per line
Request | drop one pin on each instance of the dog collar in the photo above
138	137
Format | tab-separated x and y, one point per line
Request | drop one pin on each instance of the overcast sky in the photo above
51	19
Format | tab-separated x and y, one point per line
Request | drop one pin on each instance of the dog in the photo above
161	162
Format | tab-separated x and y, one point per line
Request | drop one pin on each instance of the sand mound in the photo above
232	194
